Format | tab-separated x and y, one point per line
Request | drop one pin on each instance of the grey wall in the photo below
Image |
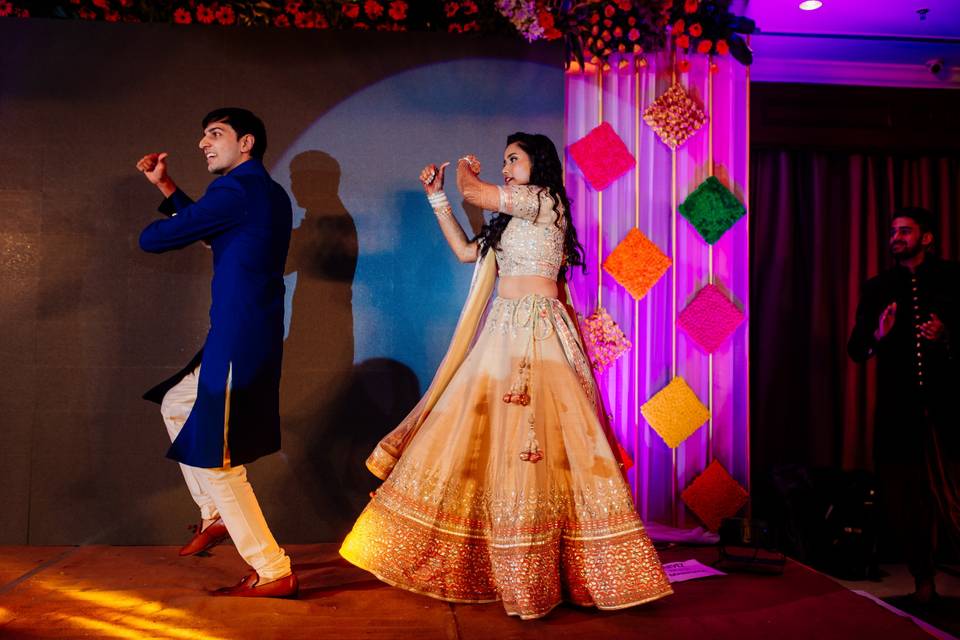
88	322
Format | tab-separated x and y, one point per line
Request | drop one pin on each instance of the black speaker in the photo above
749	545
829	519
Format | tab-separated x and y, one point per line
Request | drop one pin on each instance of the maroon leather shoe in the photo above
286	587
203	540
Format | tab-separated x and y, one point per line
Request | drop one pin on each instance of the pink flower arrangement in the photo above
605	341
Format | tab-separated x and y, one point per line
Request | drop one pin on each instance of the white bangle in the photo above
438	199
440	204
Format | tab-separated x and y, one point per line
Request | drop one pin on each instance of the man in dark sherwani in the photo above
909	317
222	410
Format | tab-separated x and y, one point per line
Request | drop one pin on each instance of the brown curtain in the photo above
818	230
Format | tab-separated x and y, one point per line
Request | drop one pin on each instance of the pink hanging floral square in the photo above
602	156
710	318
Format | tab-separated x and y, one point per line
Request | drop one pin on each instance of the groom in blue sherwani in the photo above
222	410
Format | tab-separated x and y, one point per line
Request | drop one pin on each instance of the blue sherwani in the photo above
246	218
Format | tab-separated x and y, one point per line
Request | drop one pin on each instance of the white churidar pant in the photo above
226	492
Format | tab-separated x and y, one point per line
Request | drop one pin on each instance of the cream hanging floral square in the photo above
674	116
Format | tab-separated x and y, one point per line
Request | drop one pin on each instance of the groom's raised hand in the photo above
154	168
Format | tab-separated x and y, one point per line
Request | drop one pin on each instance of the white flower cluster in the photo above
523	15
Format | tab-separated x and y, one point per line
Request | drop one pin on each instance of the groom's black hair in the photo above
243	122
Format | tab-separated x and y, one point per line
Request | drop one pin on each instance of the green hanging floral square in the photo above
712	209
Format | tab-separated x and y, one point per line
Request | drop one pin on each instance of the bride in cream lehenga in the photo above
502	484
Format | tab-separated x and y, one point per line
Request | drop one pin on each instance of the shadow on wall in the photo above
333	413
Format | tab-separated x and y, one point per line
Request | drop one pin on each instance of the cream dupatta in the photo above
389	450
391	447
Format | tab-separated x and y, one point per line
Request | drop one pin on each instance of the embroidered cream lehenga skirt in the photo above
468	515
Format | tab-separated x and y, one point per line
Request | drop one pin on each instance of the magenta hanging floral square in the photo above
710	318
602	156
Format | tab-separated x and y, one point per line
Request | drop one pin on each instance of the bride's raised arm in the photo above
432	179
529	202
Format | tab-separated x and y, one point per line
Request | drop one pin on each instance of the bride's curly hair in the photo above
546	172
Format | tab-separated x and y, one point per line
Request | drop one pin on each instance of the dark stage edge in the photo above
149	592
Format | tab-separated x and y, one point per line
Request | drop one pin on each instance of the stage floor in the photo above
149	592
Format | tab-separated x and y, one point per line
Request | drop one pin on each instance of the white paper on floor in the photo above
689	570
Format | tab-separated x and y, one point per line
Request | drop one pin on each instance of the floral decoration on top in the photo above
708	27
380	15
592	30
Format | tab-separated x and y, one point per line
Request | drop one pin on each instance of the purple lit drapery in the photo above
646	197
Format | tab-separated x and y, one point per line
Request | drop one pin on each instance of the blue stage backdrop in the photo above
408	286
89	321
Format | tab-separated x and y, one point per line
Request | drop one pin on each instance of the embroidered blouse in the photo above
532	243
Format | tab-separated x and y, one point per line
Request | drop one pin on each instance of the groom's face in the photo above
222	149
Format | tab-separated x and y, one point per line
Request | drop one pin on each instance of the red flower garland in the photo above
205	14
398	10
592	30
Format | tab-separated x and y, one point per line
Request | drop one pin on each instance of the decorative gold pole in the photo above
710	170
636	302
746	204
599	196
674	484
